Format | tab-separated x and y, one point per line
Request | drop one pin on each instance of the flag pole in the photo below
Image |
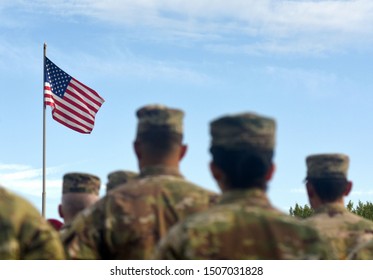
44	126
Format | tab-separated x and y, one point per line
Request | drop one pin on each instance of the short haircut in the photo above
160	141
244	168
329	189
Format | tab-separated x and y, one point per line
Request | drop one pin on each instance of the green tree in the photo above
350	206
301	211
364	210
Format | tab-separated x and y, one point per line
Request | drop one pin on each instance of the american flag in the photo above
73	104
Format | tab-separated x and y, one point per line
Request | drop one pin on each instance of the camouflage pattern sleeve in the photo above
85	237
171	247
24	233
39	241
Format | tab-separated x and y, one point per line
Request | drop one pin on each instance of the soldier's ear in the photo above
310	190
312	195
183	150
216	171
60	212
136	148
218	175
270	172
348	188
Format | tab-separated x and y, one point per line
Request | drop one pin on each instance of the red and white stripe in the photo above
78	107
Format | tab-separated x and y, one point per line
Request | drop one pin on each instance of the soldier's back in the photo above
24	233
131	219
243	226
341	228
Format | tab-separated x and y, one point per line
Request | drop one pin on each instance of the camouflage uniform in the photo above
117	178
24	234
129	221
363	251
79	184
244	225
341	228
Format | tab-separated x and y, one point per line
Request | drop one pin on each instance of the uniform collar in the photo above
331	208
253	196
159	170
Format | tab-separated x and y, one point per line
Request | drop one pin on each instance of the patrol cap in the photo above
159	117
81	183
246	130
325	166
119	177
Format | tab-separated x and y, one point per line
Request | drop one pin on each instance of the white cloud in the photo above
114	62
26	180
275	15
362	193
278	25
16	52
298	190
117	63
317	83
16	167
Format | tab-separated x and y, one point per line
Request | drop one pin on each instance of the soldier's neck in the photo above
318	203
167	162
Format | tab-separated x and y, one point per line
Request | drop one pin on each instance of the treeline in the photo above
362	209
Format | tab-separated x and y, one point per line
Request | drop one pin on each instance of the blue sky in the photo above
306	63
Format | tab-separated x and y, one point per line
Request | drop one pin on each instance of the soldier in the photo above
79	190
244	225
24	234
327	185
117	178
129	221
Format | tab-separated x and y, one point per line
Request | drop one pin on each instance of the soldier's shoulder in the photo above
346	220
29	227
15	204
7	195
359	228
164	182
360	221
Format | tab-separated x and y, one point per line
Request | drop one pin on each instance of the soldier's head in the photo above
159	136
117	178
326	179
242	148
79	190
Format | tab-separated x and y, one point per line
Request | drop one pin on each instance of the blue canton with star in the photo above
58	79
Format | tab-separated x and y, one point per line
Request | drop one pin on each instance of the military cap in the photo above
246	130
119	177
80	183
159	116
327	166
